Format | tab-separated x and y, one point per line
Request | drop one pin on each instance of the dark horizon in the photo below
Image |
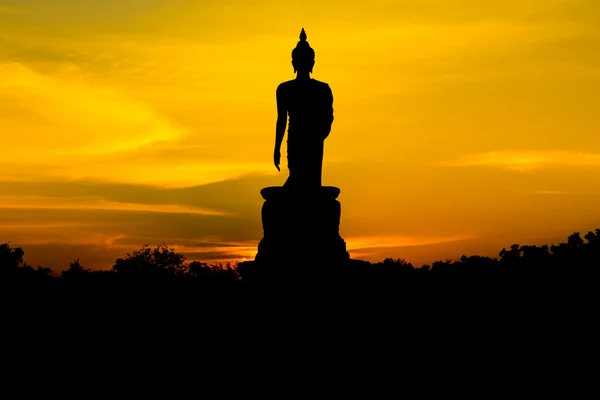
539	254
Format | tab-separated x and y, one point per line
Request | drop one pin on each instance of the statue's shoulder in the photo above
284	85
322	84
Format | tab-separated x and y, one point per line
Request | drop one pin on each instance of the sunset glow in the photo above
460	127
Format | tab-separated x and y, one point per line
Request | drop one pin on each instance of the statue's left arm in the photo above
327	111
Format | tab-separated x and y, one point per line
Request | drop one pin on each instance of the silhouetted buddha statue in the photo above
301	220
309	105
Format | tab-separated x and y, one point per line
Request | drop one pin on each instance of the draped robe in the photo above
309	106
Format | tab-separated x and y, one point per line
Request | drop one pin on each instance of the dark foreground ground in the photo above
384	333
532	303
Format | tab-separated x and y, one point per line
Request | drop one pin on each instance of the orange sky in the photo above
460	127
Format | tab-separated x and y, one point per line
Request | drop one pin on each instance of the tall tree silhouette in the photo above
161	261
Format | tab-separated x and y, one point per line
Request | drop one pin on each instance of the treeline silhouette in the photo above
148	267
154	297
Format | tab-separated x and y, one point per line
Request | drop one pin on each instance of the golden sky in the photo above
461	127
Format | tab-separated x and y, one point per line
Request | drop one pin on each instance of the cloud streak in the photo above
370	246
548	192
8	10
84	203
526	160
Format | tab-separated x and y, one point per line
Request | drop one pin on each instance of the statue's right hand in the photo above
277	159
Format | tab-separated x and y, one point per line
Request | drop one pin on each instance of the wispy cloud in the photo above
547	192
54	234
84	203
8	10
68	128
220	251
60	117
366	245
526	160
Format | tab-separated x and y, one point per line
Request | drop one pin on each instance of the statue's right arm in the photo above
281	117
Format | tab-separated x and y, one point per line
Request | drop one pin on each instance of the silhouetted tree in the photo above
159	262
442	266
199	269
10	259
393	265
75	271
574	257
477	264
593	238
511	255
14	269
575	241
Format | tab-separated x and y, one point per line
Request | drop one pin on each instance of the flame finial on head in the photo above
303	35
303	49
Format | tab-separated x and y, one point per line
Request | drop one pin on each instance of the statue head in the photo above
303	56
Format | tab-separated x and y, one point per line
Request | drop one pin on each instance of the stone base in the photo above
304	270
301	226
